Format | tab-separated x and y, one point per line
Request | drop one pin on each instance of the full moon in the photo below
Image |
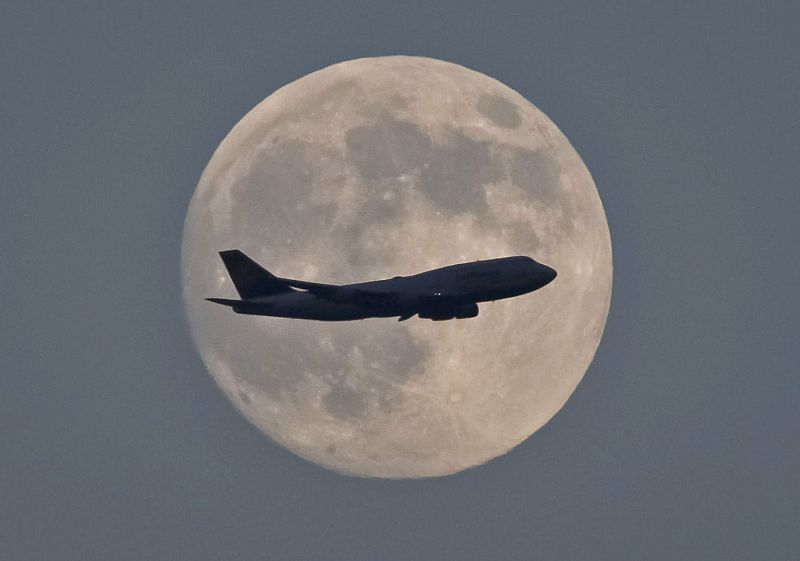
388	166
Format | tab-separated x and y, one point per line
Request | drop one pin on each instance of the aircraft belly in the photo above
311	307
486	294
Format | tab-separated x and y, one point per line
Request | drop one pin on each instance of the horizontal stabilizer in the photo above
224	301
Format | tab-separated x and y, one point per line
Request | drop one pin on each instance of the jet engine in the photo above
440	313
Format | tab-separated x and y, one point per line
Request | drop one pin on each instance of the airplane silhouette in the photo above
451	292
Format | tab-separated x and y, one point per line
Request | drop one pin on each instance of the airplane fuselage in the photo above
445	293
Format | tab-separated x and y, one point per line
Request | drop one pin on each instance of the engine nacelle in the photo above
468	311
440	313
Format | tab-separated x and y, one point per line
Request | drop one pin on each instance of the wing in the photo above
315	288
447	305
374	297
346	294
444	299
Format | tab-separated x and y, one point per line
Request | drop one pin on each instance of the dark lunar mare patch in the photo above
386	148
343	402
397	353
523	239
539	174
287	355
279	187
499	111
455	172
358	255
389	356
451	173
384	207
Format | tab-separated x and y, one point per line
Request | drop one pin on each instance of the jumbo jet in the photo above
451	292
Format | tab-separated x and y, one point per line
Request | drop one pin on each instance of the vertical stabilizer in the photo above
251	279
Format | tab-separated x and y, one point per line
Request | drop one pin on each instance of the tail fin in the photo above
251	279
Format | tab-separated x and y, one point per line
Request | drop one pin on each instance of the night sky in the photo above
682	441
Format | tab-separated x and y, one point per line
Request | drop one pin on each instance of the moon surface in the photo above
388	166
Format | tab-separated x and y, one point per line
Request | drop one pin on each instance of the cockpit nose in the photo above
543	274
548	274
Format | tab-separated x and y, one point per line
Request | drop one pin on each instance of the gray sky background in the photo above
683	440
